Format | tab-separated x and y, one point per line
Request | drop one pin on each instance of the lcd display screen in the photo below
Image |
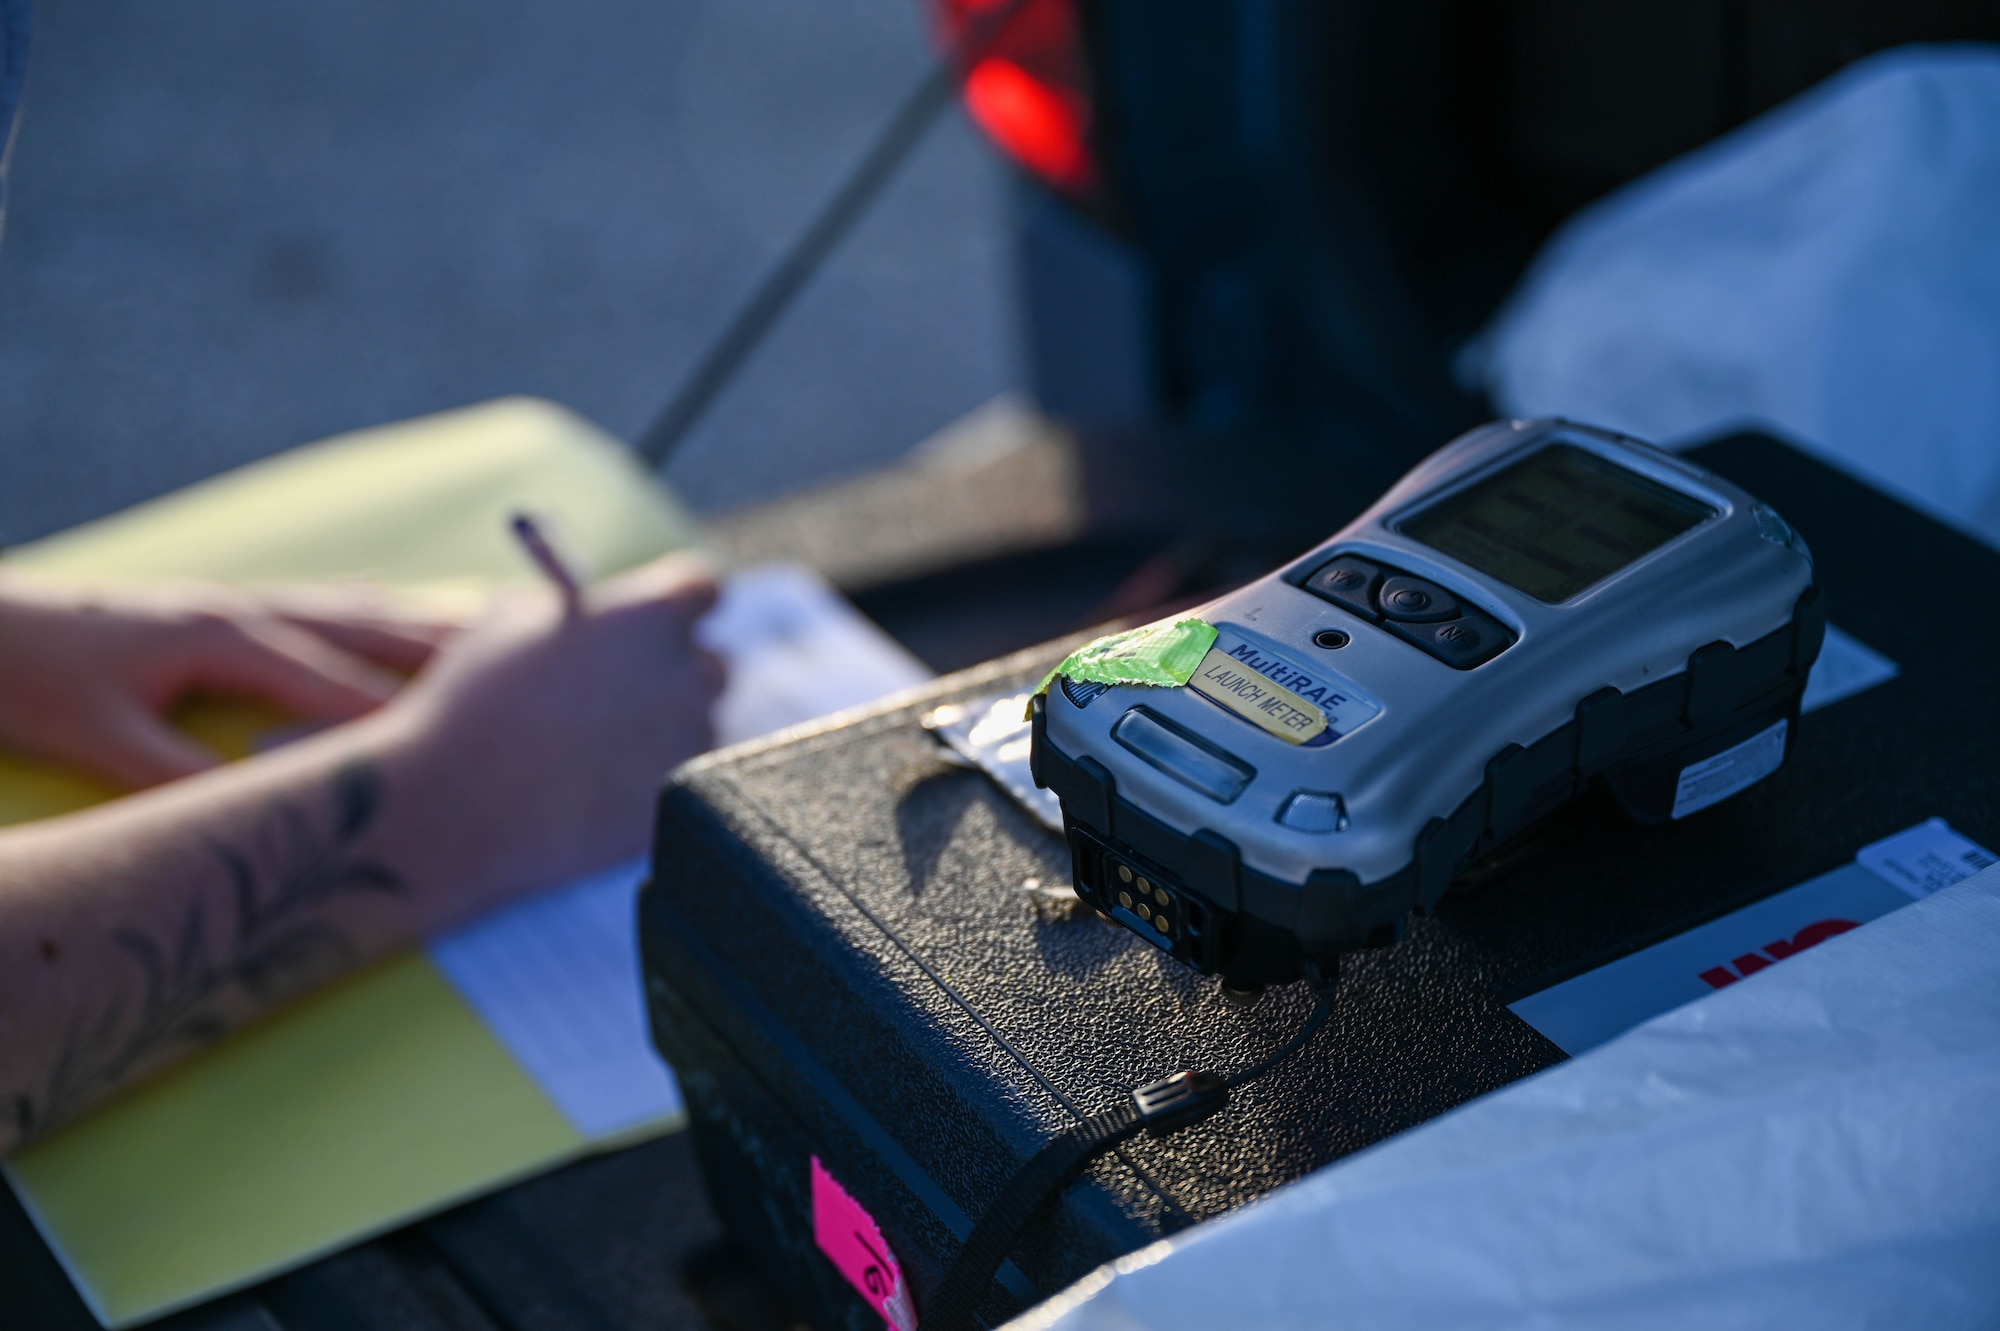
1556	522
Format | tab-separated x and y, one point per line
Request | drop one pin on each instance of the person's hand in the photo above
88	675
541	737
526	750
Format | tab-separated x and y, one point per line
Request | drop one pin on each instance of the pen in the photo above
536	542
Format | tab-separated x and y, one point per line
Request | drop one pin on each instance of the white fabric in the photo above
1832	269
1815	1146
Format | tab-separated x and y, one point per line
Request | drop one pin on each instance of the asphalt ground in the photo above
239	225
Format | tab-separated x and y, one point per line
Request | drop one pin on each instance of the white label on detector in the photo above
1926	857
1713	780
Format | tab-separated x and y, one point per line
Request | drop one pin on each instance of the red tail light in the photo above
1030	88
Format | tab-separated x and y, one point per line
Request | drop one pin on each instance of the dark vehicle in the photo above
1254	236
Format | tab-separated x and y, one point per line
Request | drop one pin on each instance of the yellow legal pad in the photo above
383	1097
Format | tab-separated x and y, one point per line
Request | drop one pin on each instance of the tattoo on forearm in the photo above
271	948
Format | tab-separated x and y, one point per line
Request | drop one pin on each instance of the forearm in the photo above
527	752
133	934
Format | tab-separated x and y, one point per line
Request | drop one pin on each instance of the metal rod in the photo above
774	295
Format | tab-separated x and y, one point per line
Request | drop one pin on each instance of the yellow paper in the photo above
422	502
345	1114
384	1097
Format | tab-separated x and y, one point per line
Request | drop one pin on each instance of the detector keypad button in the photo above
1415	601
1349	583
1469	640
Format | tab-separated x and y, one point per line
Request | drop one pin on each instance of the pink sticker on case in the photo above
850	1238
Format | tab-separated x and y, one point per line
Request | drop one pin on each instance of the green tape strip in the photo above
1163	655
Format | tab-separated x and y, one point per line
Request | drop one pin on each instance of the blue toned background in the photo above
238	225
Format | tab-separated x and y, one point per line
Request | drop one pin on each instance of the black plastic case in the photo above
842	960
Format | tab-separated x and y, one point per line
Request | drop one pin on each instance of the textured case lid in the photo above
863	892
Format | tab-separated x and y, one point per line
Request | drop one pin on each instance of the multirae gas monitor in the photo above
1536	608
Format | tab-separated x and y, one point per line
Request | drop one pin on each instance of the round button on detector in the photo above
1415	601
1458	643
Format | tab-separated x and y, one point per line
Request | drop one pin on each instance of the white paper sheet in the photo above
557	976
1602	1004
1846	666
557	979
797	650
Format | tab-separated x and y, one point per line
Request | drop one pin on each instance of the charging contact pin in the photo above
1125	900
1124	874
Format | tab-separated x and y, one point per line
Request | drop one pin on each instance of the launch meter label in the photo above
1296	705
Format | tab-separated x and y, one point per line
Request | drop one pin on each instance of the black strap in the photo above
1046	1172
1159	1108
